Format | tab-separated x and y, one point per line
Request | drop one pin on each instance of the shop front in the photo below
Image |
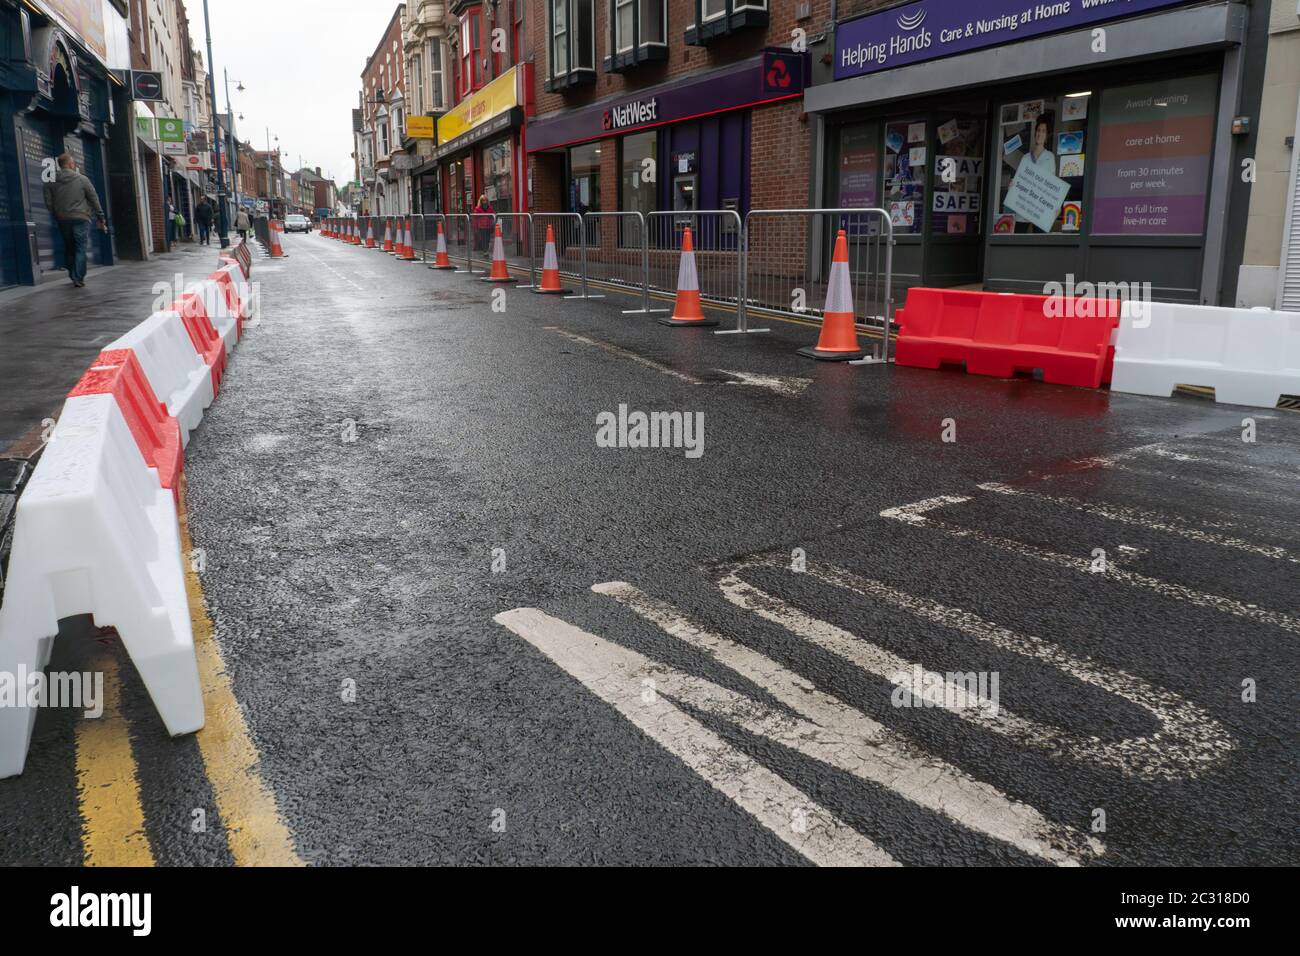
480	148
1044	143
688	144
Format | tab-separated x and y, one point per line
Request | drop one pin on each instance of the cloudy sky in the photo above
300	62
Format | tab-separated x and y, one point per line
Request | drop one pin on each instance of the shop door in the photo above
37	141
959	176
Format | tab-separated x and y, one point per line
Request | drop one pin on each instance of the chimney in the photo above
318	172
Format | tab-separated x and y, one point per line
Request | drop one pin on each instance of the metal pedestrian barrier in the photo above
618	252
425	226
787	255
717	236
517	237
570	245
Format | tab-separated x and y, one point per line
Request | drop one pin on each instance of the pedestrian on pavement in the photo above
203	219
243	223
484	215
72	200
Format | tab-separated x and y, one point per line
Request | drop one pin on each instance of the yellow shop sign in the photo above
499	96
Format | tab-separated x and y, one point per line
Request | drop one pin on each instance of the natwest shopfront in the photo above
724	139
480	148
1015	145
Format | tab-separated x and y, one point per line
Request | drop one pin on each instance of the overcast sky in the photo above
300	62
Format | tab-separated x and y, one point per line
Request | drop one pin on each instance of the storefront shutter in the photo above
1288	292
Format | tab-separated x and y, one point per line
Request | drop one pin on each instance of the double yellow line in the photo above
112	814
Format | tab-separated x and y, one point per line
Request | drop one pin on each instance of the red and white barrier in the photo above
177	373
96	533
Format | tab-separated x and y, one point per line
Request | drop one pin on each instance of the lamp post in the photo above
233	152
223	225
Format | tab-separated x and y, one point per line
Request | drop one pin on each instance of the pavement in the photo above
439	623
50	333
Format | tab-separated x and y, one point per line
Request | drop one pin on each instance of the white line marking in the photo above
837	734
1151	520
616	674
782	385
624	353
326	264
1188	741
917	513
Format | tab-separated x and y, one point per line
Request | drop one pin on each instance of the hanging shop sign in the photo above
420	127
930	29
773	75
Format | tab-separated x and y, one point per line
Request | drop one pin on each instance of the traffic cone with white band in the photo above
838	341
687	309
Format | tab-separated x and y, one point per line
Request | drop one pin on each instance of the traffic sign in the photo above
146	85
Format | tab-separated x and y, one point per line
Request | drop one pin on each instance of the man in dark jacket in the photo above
203	219
72	200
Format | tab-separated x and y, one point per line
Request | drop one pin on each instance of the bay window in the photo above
638	31
436	100
572	25
470	75
719	18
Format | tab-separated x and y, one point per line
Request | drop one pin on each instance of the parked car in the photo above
297	223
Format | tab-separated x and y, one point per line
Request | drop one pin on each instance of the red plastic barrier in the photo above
117	372
999	334
233	302
207	341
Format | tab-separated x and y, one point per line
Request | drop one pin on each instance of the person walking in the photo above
484	215
203	219
243	223
72	200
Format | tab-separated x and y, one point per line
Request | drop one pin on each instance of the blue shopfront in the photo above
54	98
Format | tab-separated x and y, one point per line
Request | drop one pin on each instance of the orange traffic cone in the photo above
838	341
550	269
356	232
388	235
370	234
406	249
275	228
440	258
687	310
499	273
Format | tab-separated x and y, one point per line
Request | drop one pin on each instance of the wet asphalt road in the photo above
383	432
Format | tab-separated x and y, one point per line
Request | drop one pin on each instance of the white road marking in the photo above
1229	464
325	263
842	737
624	353
1151	520
1187	742
785	386
917	513
616	674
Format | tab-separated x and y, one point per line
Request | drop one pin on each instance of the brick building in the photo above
382	160
670	104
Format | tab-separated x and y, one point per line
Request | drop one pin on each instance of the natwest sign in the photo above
930	29
631	114
773	75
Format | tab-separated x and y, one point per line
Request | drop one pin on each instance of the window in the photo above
517	32
1041	165
719	18
1159	185
573	43
436	98
382	124
955	203
417	79
639	182
584	178
905	174
470	74
637	29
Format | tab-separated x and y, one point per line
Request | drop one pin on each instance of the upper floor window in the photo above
470	75
572	43
417	80
638	31
436	99
719	18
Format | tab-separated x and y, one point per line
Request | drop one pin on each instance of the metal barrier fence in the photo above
262	231
618	252
517	240
424	233
787	257
716	235
570	248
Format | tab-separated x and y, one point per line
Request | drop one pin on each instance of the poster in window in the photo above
1153	158
959	179
859	167
1075	107
1056	176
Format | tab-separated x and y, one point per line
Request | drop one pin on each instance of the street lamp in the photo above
223	224
230	120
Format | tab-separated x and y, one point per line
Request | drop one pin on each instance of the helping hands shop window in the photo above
572	43
720	18
1042	148
638	31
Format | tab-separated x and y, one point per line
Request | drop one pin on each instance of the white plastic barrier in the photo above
96	534
243	288
223	318
1248	356
173	366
